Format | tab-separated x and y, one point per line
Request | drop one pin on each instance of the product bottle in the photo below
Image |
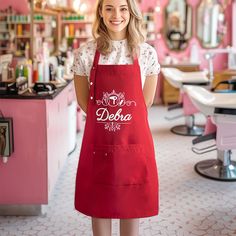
67	31
17	72
46	72
35	72
71	30
60	72
51	72
27	51
19	30
45	58
25	71
40	71
29	67
75	44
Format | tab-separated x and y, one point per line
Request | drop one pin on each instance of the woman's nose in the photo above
116	13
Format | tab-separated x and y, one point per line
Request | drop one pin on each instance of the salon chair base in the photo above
187	131
214	169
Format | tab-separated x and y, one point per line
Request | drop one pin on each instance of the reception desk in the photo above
41	139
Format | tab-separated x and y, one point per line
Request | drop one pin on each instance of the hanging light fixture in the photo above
157	9
158	6
76	5
83	7
52	2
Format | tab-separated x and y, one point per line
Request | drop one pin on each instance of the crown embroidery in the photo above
114	99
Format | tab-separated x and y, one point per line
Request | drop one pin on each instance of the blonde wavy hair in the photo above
135	33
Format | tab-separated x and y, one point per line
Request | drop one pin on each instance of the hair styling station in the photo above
178	79
219	106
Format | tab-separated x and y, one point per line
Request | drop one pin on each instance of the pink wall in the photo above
160	44
19	5
234	24
163	50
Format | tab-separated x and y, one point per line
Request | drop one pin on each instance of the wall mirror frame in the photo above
178	24
210	23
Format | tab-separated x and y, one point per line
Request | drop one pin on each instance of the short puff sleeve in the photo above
78	67
153	67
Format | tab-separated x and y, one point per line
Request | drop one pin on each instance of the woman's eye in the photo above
108	9
124	9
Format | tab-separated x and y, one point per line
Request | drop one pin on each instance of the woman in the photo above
117	175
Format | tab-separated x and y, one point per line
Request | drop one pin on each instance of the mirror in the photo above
178	24
211	25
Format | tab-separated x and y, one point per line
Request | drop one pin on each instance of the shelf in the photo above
64	9
76	22
40	18
45	12
148	13
3	49
79	37
42	22
22	36
149	21
151	32
45	37
17	23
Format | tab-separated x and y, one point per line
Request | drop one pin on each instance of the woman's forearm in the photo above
82	91
83	105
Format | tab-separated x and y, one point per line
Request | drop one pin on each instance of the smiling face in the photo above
116	16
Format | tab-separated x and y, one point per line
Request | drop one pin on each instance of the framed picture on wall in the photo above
6	137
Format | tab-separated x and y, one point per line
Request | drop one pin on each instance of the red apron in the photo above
117	174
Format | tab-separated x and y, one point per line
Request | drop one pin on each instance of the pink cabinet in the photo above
41	134
234	24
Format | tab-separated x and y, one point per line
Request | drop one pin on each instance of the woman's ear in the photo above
100	10
100	13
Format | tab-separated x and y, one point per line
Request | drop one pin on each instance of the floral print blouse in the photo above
84	56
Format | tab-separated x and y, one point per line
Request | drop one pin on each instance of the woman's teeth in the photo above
116	22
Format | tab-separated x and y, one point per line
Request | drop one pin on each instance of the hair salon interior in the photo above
193	119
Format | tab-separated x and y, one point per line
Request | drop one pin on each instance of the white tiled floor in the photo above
189	204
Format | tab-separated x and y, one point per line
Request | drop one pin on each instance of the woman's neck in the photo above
117	36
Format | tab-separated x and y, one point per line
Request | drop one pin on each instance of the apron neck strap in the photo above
135	61
135	56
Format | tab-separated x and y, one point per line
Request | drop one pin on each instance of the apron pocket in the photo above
119	164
